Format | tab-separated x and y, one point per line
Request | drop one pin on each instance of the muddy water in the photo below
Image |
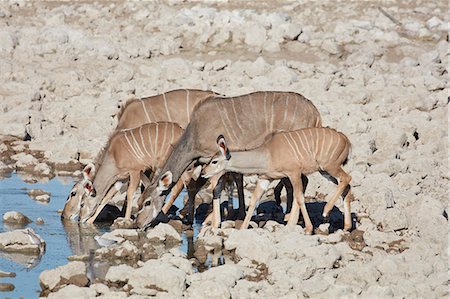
63	238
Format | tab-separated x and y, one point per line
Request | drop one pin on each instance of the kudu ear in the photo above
165	181
89	188
89	171
221	143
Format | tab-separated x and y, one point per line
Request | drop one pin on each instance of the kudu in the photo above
244	120
173	106
290	154
127	154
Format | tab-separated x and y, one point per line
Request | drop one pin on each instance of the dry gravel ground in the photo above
377	71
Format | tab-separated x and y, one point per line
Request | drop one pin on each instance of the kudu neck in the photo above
249	162
105	176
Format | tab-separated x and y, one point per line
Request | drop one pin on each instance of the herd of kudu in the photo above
186	138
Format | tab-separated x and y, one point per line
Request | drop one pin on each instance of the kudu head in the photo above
80	190
219	161
153	200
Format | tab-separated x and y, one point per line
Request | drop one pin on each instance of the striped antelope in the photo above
173	106
127	154
244	120
290	154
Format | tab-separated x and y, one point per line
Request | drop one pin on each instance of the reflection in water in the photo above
27	261
80	238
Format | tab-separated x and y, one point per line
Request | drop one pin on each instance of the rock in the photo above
42	169
126	251
252	245
208	289
73	273
25	161
226	275
33	193
7	274
255	35
45	198
331	47
176	68
392	219
153	276
7	287
14	217
433	23
164	232
122	223
39	221
73	291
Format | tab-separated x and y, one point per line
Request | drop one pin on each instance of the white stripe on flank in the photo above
285	110
150	143
311	143
307	147
143	142
187	106
299	152
265	110
138	148
330	144
145	110
236	117
167	109
223	122
250	98
323	143
271	116
335	148
224	112
156	139
294	118
128	150
131	146
303	146
165	133
290	145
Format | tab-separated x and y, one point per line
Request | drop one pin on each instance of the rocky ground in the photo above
377	71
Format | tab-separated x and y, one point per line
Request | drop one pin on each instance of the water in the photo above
63	238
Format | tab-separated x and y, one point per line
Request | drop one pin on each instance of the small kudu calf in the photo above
290	154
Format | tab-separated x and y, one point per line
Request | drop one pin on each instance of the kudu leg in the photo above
193	187
239	180
216	202
260	189
104	201
347	212
134	183
176	190
344	181
300	200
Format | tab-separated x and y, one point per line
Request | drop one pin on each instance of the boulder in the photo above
154	276
252	245
14	217
164	232
73	291
73	273
23	240
208	289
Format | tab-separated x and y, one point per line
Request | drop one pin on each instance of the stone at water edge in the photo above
22	240
15	218
7	287
71	273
